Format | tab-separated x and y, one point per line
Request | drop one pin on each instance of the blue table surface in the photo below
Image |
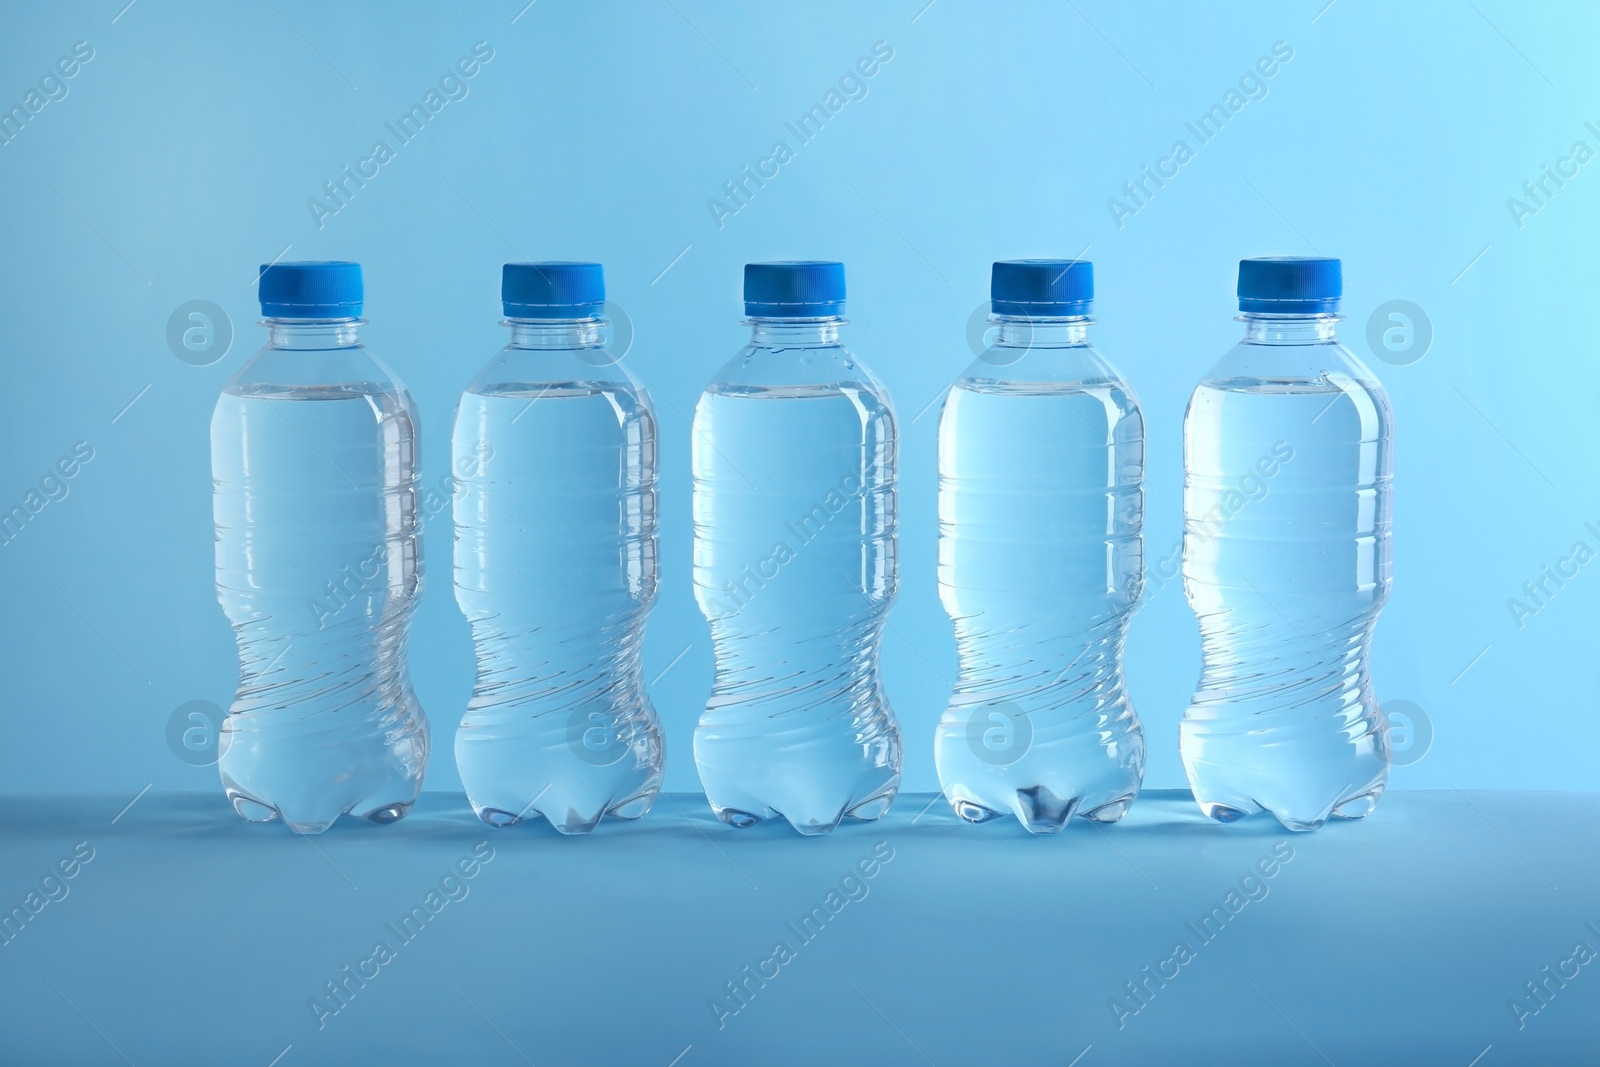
184	935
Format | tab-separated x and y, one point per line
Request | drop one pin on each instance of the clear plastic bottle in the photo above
794	563
555	563
1041	506
1288	457
314	470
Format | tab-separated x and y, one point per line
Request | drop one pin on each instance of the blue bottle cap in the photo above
1290	285
553	290
328	290
797	289
1057	287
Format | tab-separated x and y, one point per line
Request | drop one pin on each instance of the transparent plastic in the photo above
554	454
314	468
1288	460
794	462
1041	509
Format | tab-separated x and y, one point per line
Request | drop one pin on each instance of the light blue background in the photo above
185	152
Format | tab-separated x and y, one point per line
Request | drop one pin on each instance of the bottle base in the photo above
386	815
276	766
573	822
252	809
873	808
1358	806
1041	811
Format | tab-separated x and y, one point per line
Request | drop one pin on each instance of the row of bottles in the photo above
1286	562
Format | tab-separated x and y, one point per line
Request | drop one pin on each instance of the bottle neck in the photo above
1288	329
794	333
1036	331
313	334
557	333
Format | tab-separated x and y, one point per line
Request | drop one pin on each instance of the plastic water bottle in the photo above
794	563
314	468
555	566
1041	471
1288	457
